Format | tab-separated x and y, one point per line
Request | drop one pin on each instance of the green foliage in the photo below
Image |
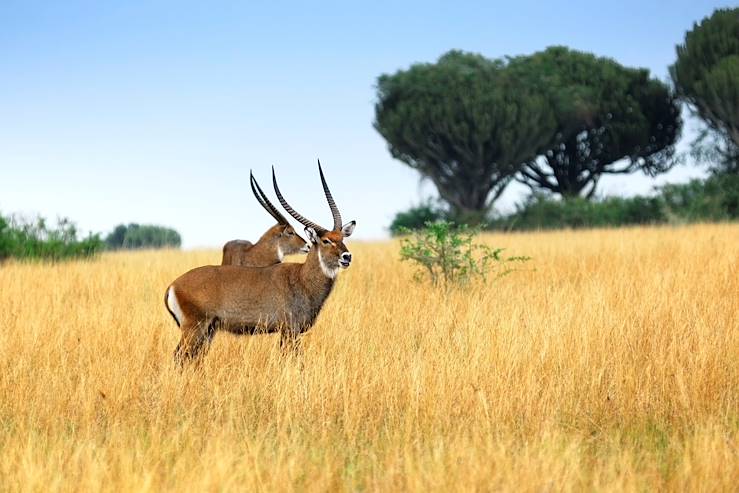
610	119
135	236
447	255
36	240
719	154
544	212
713	199
556	120
706	76
6	243
463	123
416	217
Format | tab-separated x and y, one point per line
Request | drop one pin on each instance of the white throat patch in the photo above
327	271
280	255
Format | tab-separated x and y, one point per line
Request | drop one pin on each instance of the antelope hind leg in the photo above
195	341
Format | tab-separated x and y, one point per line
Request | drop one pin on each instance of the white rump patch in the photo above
173	306
327	271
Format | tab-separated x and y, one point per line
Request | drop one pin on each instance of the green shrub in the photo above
713	199
542	212
5	240
447	255
24	239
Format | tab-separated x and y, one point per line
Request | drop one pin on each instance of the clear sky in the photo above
154	112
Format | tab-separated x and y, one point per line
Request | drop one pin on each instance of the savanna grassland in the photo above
611	364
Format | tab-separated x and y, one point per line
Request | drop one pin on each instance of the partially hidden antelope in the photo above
278	241
284	298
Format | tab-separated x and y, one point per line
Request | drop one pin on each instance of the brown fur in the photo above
285	297
234	251
266	251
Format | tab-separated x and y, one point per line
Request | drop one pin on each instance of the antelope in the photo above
284	298
279	240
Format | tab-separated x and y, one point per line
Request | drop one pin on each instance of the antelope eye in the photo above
326	242
290	233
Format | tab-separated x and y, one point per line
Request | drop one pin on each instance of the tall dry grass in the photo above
611	366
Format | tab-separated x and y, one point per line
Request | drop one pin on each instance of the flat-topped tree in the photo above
610	120
463	123
706	76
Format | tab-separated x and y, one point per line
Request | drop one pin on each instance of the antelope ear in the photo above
348	228
312	235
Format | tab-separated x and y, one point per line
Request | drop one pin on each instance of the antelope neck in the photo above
264	246
313	274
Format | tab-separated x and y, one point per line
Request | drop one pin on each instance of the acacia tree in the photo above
463	123
610	120
706	77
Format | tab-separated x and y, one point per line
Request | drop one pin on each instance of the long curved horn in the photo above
302	220
264	201
334	210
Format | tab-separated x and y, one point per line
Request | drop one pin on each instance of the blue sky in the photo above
154	112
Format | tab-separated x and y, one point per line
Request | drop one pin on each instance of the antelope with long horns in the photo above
278	241
285	297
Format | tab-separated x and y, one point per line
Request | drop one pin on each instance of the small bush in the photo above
447	255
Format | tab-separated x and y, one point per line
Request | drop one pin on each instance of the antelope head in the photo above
329	244
287	241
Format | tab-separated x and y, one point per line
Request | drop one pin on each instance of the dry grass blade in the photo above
612	366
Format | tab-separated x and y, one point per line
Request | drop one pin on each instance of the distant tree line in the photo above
713	199
35	239
136	236
557	120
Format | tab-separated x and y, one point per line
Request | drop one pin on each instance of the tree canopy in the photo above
610	119
706	76
465	124
556	120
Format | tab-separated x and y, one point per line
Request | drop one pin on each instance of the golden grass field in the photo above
612	364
